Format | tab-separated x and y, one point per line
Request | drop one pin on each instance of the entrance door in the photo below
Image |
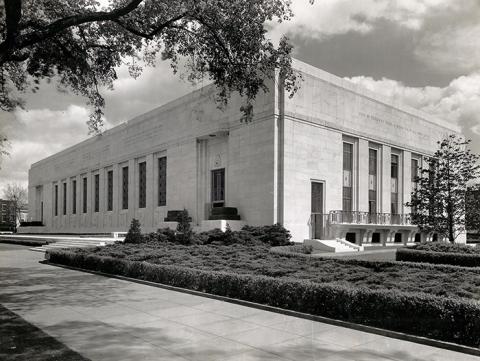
317	210
218	187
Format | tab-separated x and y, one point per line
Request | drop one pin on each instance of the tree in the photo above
3	147
184	230
438	203
134	234
472	209
80	43
17	195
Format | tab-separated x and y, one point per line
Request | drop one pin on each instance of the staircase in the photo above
77	242
334	245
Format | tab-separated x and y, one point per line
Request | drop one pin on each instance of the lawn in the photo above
257	260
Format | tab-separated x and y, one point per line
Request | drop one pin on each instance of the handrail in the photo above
359	217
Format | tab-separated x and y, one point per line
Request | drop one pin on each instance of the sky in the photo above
424	53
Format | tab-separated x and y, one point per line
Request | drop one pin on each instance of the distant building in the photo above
334	161
7	215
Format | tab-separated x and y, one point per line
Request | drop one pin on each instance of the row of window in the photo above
142	189
372	179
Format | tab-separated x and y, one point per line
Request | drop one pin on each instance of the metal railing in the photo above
356	217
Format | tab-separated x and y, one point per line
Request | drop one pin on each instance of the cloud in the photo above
332	17
445	34
458	102
36	134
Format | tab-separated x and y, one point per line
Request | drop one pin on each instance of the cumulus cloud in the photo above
36	134
458	102
332	17
445	33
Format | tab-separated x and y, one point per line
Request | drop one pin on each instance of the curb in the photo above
378	331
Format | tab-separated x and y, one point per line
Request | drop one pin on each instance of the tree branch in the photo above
156	30
14	42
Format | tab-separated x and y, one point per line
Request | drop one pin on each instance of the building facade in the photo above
7	215
334	161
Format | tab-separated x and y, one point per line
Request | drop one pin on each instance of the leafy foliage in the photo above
448	258
184	234
255	259
439	199
418	313
17	195
446	248
134	234
472	208
81	43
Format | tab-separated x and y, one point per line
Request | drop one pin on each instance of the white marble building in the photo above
336	160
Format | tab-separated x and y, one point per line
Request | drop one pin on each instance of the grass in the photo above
20	340
257	260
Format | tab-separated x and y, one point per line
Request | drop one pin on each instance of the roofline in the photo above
362	91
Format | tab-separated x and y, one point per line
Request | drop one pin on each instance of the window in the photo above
125	188
347	176
414	176
372	181
110	190
394	184
142	185
162	181
218	187
74	197
414	172
64	198
56	199
84	198
97	191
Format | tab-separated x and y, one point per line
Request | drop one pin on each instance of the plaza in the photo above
110	319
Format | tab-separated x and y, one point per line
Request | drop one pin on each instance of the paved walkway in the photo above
110	319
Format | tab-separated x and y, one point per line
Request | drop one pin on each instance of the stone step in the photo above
75	243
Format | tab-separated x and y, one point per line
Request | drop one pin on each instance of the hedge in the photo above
447	319
447	258
442	267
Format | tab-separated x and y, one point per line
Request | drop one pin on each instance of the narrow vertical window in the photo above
84	198
97	191
74	197
64	198
372	181
414	179
142	185
162	181
347	176
218	187
56	199
394	184
125	188
110	190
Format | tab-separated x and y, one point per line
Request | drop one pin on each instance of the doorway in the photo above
317	220
218	187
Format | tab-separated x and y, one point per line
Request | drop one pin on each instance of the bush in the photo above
274	235
446	248
442	318
450	258
185	234
134	234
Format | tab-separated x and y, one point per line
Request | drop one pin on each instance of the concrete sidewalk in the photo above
109	319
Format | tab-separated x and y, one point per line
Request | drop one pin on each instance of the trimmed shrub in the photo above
446	248
448	258
274	235
185	234
442	318
134	234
